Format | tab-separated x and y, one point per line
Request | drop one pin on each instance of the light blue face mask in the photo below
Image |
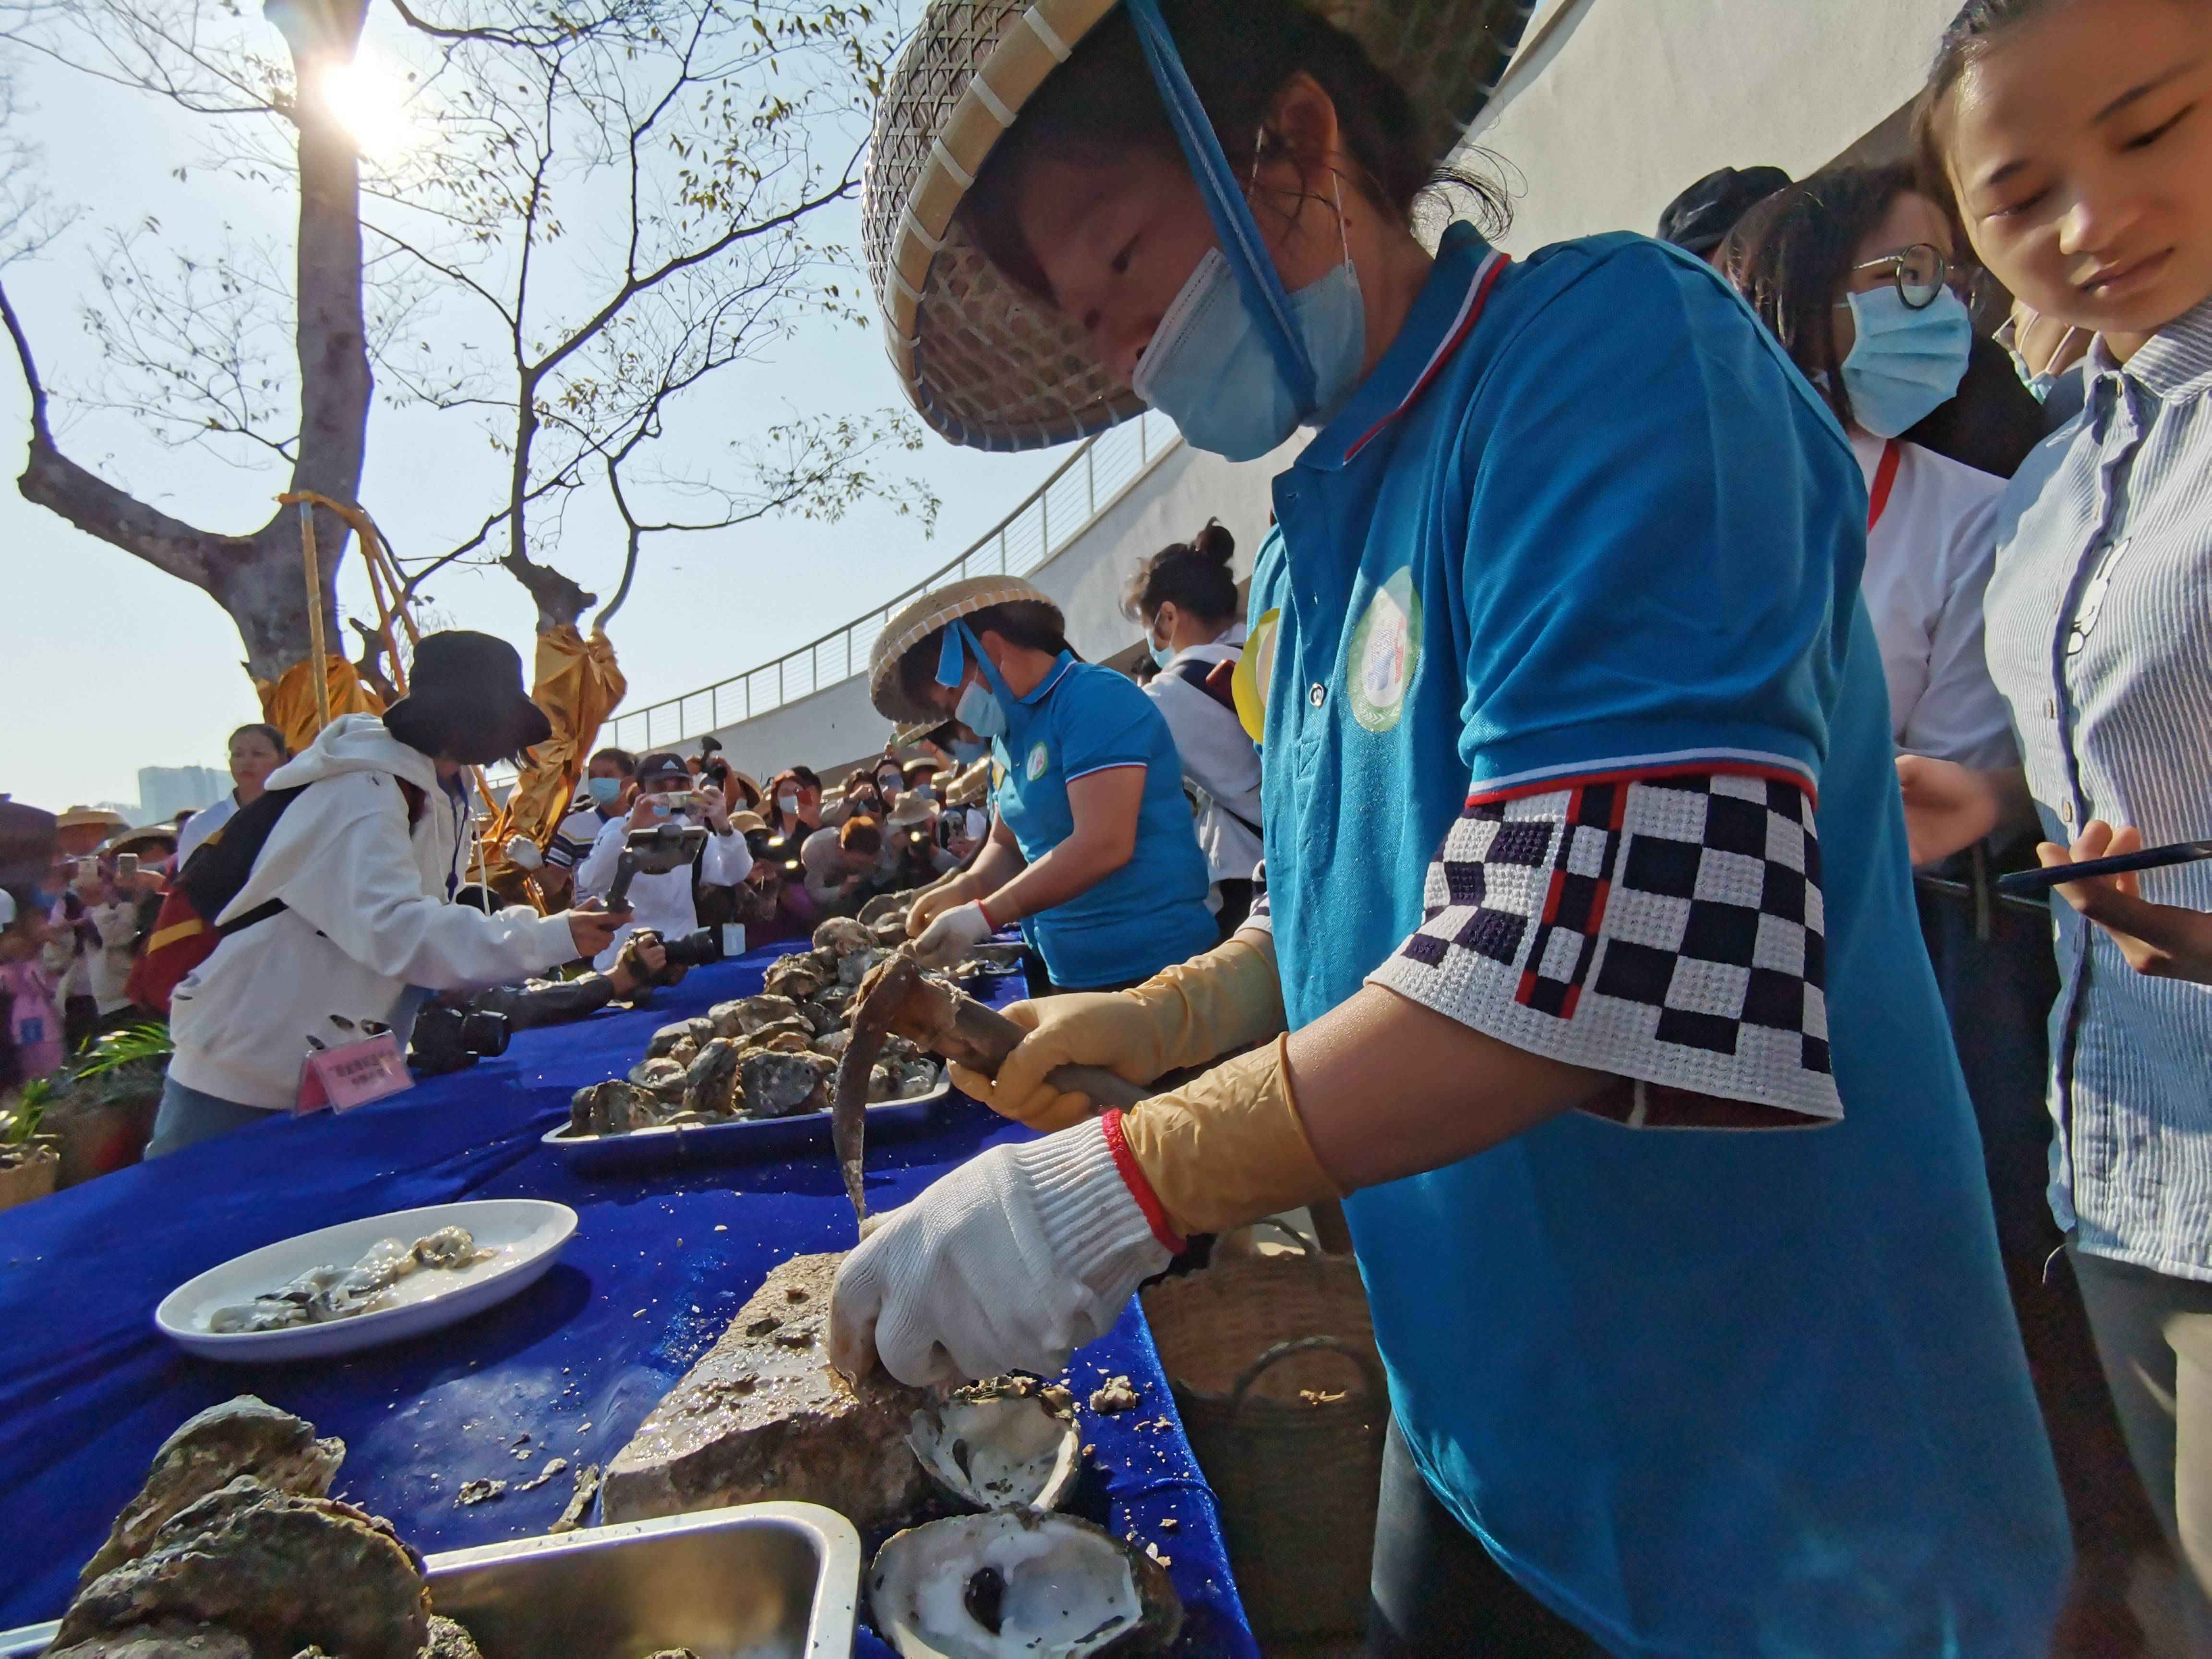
605	792
967	751
1906	364
1210	370
1238	362
982	707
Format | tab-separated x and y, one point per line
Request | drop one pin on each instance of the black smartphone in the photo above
2038	883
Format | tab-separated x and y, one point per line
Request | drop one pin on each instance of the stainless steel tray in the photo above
760	1581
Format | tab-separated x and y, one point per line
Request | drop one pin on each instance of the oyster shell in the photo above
783	1086
841	933
666	1039
917	1078
663	1077
1018	1581
710	1084
999	1445
852	970
833	1043
796	977
796	1025
748	1014
612	1108
885	905
781	1042
890	932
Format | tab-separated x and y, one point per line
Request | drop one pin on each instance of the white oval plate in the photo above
527	1233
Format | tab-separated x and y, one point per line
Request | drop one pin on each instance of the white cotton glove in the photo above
1011	1262
952	936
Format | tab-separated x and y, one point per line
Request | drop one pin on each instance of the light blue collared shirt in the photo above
2099	612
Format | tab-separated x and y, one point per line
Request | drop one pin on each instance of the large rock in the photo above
764	1415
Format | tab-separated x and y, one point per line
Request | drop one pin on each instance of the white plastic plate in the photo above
525	1234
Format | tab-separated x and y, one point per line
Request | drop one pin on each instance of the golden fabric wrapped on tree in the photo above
578	684
288	702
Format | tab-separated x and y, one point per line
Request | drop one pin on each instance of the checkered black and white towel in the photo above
1667	930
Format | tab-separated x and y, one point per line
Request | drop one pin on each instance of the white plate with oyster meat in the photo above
361	1283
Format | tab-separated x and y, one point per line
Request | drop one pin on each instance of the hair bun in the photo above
1214	543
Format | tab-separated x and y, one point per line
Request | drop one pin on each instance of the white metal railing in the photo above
1088	483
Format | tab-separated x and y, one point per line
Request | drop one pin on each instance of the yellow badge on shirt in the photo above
1386	653
1248	683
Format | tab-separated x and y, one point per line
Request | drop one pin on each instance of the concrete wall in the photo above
1615	106
837	728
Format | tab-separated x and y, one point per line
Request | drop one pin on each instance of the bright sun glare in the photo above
371	102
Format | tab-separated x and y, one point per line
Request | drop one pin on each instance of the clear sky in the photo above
107	664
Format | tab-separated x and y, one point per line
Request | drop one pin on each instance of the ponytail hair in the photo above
1192	576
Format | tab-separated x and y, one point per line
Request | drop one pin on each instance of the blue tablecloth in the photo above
88	1390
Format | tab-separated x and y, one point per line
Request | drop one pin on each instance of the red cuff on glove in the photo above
1140	1186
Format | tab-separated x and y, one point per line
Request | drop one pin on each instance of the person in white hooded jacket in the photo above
365	870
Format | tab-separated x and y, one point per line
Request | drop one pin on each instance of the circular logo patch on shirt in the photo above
1386	653
1038	760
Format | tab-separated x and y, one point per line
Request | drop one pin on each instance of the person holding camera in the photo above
663	902
343	915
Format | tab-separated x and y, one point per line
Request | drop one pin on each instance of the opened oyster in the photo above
998	1445
1018	1582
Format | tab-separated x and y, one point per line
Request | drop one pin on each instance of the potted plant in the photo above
103	1110
29	1161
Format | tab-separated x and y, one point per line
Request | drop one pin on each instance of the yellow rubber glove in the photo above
1228	1147
1183	1016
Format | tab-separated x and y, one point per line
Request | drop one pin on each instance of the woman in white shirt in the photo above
1861	276
1185	596
1858	274
256	751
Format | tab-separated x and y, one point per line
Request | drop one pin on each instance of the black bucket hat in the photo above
465	698
1700	218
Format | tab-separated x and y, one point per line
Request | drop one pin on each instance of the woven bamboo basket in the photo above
1273	1365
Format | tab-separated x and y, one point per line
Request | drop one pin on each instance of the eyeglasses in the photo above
1921	272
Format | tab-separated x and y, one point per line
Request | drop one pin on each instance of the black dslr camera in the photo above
446	1038
694	948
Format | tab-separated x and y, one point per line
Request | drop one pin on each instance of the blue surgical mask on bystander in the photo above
1906	363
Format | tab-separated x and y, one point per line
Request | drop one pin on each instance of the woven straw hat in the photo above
984	363
924	617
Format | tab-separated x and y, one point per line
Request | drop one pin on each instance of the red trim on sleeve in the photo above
1552	786
1140	1186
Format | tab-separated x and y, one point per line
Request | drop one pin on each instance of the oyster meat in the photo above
999	1444
783	1086
326	1293
1019	1583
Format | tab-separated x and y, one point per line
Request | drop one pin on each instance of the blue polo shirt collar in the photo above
1443	315
1059	672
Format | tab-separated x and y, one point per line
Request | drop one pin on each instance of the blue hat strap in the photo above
1225	202
959	640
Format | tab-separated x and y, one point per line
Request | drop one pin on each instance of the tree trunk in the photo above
258	577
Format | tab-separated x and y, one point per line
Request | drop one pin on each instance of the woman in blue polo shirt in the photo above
1093	852
1589	971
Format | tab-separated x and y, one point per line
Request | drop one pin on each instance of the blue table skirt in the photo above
657	1268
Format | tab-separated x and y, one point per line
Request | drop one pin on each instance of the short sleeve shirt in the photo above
1085	719
1575	732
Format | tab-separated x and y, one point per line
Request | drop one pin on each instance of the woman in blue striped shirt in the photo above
2077	136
